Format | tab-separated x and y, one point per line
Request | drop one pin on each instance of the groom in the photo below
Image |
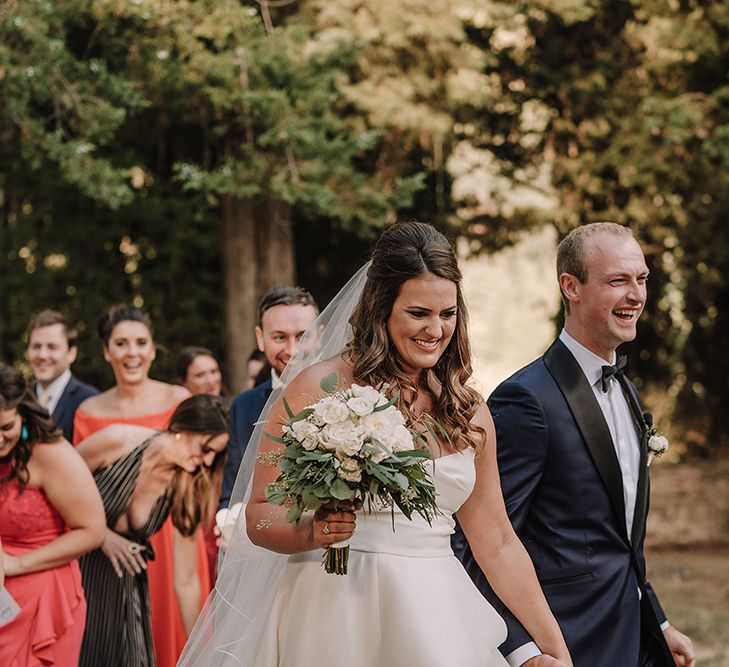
572	455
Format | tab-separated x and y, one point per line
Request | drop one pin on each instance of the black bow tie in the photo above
610	371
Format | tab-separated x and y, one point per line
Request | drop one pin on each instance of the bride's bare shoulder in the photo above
309	380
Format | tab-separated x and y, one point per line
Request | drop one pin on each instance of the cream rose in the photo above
658	444
349	470
306	433
368	393
383	420
343	437
331	410
360	405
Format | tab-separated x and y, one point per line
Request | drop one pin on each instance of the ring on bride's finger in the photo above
134	548
326	530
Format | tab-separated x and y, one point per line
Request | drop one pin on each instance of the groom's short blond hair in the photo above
571	250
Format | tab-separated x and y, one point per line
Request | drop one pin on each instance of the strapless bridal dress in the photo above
406	601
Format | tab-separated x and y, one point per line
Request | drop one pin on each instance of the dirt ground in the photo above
693	586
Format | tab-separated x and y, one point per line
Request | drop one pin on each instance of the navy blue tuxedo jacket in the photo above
563	490
75	393
244	413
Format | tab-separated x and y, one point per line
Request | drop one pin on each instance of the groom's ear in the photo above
569	286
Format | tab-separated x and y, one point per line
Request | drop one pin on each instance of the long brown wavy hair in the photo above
409	250
15	393
194	496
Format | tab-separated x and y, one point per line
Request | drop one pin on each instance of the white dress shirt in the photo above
623	429
50	396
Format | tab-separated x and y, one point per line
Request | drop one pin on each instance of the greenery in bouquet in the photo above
351	445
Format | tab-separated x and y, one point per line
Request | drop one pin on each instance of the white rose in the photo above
350	471
306	433
383	420
395	439
331	410
344	437
381	447
401	439
658	444
360	405
369	393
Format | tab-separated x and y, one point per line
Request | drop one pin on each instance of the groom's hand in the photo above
681	647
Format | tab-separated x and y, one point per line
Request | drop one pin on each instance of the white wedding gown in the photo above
406	601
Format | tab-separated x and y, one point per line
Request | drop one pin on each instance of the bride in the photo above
399	325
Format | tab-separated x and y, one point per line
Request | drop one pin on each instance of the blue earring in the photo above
24	432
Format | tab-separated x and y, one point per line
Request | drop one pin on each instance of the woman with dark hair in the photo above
406	600
198	371
144	476
128	343
50	514
179	578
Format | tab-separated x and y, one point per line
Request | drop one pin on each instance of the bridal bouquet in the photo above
351	445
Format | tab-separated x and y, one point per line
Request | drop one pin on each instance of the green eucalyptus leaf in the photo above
329	383
302	415
389	403
275	438
294	514
340	490
287	407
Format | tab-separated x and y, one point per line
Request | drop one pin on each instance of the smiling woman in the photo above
422	321
199	371
145	475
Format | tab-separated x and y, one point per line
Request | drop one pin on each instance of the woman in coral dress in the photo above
50	514
179	577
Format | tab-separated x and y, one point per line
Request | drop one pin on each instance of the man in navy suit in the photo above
284	314
52	348
572	454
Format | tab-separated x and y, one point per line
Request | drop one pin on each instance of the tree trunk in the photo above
258	255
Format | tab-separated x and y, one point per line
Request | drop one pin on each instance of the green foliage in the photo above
59	108
629	119
123	124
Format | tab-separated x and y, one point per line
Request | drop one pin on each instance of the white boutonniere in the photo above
657	444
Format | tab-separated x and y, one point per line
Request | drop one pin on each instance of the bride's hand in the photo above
334	524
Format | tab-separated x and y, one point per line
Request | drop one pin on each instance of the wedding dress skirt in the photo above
406	600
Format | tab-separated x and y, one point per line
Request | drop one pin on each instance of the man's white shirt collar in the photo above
275	380
50	396
590	363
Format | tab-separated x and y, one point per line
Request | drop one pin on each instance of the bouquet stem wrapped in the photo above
336	559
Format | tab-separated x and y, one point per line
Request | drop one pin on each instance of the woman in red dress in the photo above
179	579
50	513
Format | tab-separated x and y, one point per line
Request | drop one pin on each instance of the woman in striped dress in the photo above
143	476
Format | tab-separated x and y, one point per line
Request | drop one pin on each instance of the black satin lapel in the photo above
589	418
641	498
